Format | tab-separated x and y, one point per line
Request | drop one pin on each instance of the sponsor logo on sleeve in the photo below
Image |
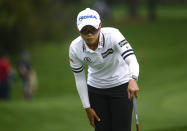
71	60
122	43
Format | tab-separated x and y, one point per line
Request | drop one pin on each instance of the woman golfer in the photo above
113	71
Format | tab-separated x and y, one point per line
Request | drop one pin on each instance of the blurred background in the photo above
37	88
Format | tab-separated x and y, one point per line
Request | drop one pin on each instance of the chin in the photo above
90	42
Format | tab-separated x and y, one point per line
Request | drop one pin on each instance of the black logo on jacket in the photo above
87	60
108	52
122	43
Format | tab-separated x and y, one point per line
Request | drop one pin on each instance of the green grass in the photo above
57	113
161	51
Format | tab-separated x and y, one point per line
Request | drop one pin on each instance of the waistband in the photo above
118	91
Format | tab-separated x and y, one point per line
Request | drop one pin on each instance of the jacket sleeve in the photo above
82	88
80	80
126	51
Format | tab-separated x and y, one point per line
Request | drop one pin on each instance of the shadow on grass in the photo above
183	128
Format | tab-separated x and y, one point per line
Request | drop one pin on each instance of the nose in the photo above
89	34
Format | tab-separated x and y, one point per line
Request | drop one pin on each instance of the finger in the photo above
97	117
136	94
92	122
132	94
129	94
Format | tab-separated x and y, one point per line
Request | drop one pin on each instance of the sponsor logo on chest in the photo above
108	52
87	60
104	55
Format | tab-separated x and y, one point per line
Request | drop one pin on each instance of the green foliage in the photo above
28	21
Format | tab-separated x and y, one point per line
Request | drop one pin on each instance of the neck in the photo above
93	46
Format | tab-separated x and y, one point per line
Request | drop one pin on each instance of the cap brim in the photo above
85	23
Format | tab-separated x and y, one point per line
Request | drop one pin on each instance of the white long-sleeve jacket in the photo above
113	63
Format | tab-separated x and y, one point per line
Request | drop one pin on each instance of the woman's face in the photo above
90	35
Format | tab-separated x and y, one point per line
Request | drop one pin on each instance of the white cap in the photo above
88	17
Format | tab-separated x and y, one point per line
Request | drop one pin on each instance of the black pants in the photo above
113	107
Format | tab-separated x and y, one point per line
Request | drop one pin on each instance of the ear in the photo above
99	27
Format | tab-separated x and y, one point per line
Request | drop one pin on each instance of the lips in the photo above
89	39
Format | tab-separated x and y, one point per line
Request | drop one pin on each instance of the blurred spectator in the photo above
5	71
102	8
28	75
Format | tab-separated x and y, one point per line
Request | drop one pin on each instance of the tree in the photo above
27	21
133	8
152	9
